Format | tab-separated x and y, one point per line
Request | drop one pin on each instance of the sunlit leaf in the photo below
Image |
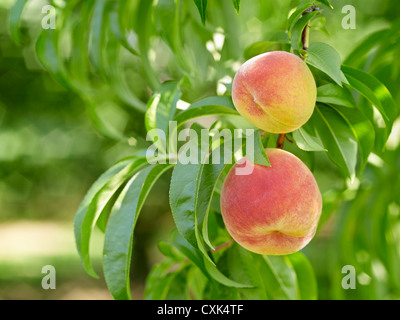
325	58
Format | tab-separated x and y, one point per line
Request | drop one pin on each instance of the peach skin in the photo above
275	91
274	210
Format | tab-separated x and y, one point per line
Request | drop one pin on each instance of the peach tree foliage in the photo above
111	46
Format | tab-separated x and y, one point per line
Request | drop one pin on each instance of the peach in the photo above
275	91
274	210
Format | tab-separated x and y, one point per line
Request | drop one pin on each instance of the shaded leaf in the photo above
236	5
307	282
14	21
202	7
120	229
161	109
95	201
337	137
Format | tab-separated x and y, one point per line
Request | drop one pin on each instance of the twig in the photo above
304	40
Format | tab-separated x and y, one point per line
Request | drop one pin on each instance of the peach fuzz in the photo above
275	91
274	210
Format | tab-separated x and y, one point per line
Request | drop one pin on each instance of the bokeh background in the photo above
55	140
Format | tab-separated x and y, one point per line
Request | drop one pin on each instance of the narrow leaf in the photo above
297	30
307	141
236	5
94	203
202	7
120	229
294	17
221	278
307	282
337	137
362	129
326	2
14	21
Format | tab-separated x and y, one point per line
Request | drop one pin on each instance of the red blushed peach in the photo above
274	210
275	91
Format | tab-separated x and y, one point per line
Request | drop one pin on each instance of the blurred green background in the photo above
55	140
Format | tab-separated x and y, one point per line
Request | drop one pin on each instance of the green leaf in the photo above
161	109
297	14
192	253
221	278
196	283
284	275
333	94
297	30
307	282
184	189
114	69
205	266
208	106
160	280
337	137
47	52
210	176
98	29
262	47
15	20
258	156
326	2
362	129
119	25
120	229
213	174
374	90
247	267
94	203
378	96
306	140
144	26
325	58
202	7
365	47
191	191
236	5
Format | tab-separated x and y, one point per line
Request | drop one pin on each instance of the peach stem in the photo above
281	141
